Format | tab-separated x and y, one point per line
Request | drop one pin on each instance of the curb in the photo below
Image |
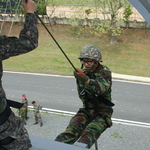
130	77
114	76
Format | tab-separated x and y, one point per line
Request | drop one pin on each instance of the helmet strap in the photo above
82	66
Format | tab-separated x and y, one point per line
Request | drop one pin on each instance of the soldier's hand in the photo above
80	75
29	6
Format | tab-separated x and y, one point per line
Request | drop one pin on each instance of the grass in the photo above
116	135
130	56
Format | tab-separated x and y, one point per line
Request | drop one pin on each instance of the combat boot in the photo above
35	123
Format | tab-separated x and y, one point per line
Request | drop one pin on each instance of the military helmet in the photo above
91	52
33	102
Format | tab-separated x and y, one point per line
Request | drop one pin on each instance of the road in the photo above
56	92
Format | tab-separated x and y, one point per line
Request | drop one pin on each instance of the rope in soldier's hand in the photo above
54	40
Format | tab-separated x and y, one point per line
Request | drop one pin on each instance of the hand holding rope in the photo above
54	39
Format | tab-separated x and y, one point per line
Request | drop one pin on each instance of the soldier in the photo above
13	135
24	109
25	102
94	89
37	114
22	113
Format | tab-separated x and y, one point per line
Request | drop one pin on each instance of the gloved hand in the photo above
80	75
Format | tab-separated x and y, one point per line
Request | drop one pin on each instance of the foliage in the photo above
15	6
127	12
88	11
10	6
109	23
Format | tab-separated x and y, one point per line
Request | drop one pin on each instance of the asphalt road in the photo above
132	99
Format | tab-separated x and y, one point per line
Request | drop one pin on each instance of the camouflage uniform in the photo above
25	106
95	116
22	113
37	114
11	127
24	109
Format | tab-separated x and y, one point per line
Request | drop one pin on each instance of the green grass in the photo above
70	2
116	135
75	2
131	56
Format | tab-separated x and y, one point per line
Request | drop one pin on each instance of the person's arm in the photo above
101	84
28	38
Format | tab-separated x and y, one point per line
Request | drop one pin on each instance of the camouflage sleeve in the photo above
100	84
27	41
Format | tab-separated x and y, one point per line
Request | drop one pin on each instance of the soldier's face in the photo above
89	64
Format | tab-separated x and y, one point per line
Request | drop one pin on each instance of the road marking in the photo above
121	121
114	120
39	74
133	123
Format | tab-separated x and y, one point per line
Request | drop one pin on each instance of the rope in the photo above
3	19
14	17
9	5
54	40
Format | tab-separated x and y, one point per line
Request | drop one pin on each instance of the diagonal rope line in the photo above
54	40
14	16
9	6
3	18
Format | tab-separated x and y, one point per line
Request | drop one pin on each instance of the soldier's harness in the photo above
94	100
7	112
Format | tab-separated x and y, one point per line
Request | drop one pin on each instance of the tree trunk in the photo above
113	40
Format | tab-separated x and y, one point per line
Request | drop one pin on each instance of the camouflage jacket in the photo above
13	46
37	108
25	101
100	84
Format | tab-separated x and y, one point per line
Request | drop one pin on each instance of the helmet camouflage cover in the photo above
91	52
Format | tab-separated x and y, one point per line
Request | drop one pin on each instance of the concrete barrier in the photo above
65	21
45	144
62	15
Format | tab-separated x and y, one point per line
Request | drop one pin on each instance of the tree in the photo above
14	9
127	13
109	22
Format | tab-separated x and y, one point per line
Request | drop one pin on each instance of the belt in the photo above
5	115
6	141
2	148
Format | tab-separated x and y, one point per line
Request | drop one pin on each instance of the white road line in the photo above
120	121
39	74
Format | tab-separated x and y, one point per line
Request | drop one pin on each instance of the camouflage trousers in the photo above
37	116
14	128
81	130
22	114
